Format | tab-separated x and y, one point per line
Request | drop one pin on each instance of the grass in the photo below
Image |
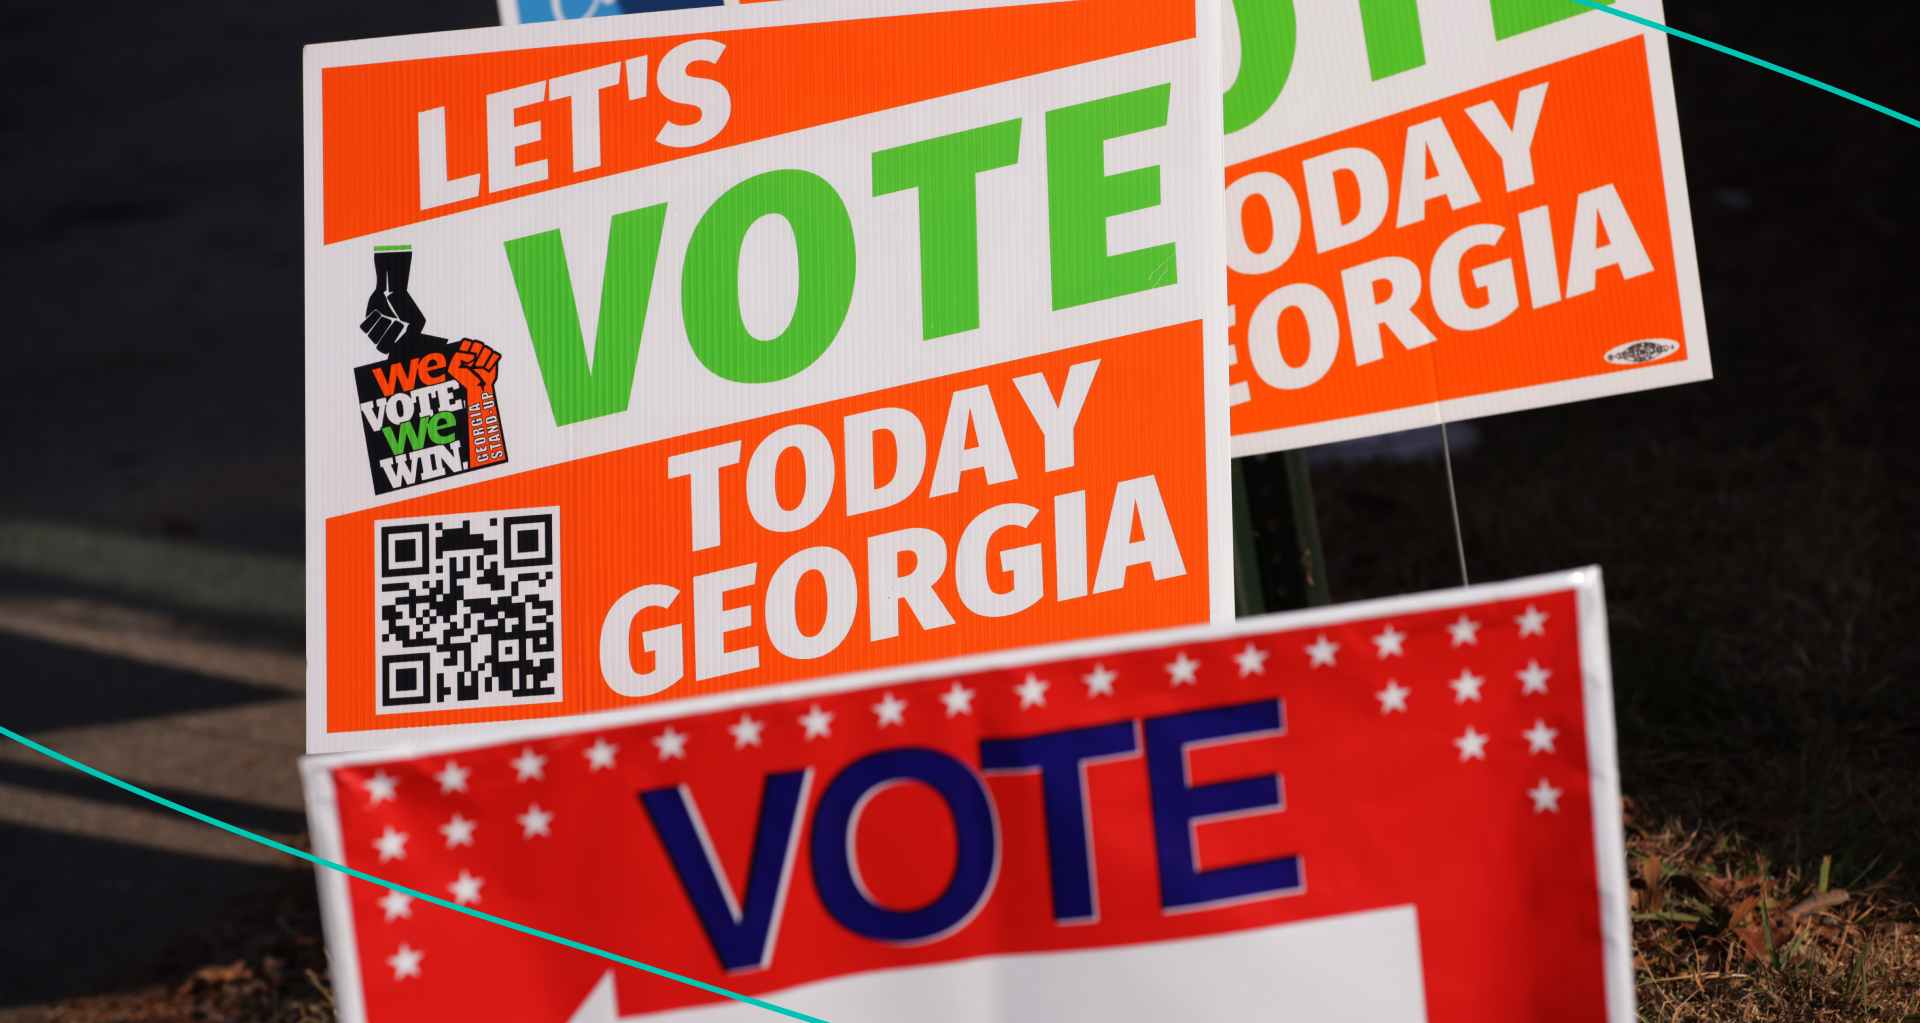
264	963
1722	932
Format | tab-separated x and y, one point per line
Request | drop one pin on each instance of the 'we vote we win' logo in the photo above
428	404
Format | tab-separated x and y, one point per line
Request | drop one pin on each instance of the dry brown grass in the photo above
1724	933
263	964
266	991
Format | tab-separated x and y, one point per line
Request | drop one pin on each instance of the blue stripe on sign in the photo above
570	10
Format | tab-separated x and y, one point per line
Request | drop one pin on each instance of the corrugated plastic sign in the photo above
685	352
1394	810
1450	209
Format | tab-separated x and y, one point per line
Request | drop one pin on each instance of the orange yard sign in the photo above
672	354
1520	243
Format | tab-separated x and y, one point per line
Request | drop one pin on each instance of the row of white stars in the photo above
392	843
1391	642
671	744
383	787
891	710
1473	745
1533	681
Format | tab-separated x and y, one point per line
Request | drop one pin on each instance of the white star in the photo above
671	744
529	765
406	962
1533	679
392	844
459	830
1251	661
1393	697
1321	652
817	722
1467	687
746	731
1464	631
535	821
600	754
467	888
453	778
891	710
1181	671
1473	745
1545	797
1032	692
1540	737
397	905
958	700
380	788
1387	643
1099	681
1532	622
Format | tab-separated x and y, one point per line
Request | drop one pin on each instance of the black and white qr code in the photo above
467	612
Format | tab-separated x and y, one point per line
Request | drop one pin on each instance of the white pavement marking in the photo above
158	828
244	753
177	574
149	637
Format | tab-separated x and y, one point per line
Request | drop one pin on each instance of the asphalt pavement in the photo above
98	881
150	472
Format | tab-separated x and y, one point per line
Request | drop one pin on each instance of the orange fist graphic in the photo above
476	367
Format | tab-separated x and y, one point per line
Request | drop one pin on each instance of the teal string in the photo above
423	896
703	985
1749	58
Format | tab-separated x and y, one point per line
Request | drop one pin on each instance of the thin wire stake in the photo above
1453	502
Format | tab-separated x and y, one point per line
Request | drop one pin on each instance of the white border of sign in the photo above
1596	686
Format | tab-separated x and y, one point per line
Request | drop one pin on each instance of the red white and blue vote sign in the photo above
1393	810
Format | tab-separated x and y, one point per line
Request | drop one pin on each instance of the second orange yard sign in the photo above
1450	209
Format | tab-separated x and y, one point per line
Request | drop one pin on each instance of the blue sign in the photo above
521	12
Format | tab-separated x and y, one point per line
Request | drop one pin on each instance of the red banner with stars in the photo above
1404	809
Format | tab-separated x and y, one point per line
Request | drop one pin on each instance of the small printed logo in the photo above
1633	353
428	406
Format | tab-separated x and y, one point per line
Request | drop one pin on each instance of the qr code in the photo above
467	610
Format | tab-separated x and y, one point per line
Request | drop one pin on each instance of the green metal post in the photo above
1306	530
1278	561
1249	596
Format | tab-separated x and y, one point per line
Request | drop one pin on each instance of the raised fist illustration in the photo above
394	323
476	367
